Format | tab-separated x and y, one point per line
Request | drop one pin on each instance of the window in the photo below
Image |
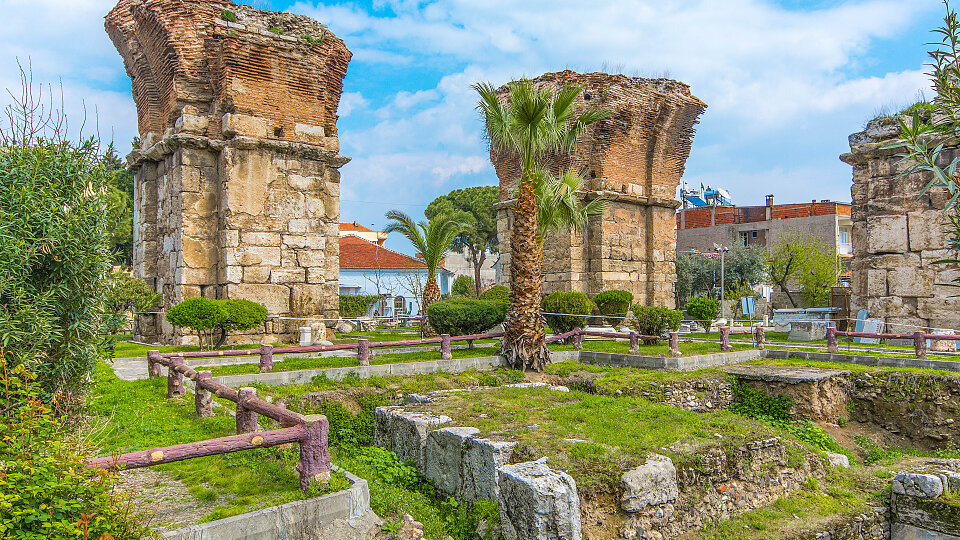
745	238
399	305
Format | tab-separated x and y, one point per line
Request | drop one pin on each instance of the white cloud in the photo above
351	101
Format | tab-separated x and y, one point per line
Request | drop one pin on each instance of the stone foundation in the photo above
237	183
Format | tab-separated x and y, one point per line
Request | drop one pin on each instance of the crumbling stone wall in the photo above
634	158
897	236
237	188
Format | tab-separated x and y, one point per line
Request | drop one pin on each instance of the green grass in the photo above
126	349
423	382
854	368
841	495
303	362
138	417
618	431
661	349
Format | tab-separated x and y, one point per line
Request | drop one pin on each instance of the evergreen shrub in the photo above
465	316
575	308
653	321
615	302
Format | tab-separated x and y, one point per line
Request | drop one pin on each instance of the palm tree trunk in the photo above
431	294
523	340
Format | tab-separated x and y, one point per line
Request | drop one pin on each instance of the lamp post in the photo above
722	250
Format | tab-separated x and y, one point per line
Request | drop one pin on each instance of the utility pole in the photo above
722	250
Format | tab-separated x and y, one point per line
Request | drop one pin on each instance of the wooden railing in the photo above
310	432
919	339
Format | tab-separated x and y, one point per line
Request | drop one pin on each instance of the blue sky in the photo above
785	82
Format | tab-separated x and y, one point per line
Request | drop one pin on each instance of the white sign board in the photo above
872	326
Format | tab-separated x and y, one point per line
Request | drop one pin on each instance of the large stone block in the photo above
924	486
243	125
481	458
276	298
653	483
927	230
537	503
409	434
908	281
887	234
443	457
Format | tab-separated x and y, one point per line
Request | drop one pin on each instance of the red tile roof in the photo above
355	252
354	227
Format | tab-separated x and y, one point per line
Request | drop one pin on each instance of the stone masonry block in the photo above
481	458
923	486
383	426
276	298
443	457
409	434
927	230
876	282
914	282
887	234
537	503
243	125
653	483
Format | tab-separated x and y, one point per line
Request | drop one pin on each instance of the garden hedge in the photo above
464	316
576	305
615	302
654	321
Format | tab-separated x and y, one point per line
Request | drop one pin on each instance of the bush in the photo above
614	303
464	286
701	309
46	490
125	293
209	317
653	321
356	305
54	258
576	304
464	316
498	293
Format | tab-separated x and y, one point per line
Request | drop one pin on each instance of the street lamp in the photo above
722	250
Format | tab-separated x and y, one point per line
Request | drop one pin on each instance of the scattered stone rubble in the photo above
236	191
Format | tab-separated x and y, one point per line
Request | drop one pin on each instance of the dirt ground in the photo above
165	498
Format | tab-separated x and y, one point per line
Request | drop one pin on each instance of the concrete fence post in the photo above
675	343
175	388
634	342
761	338
246	419
832	345
153	364
446	352
314	463
725	339
363	352
920	343
203	399
578	341
266	358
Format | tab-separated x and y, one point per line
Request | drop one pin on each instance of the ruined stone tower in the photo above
237	191
634	158
897	236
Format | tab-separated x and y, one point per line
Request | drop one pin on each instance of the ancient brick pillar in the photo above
237	182
897	236
635	159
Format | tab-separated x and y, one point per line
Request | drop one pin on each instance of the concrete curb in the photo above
879	361
290	521
666	363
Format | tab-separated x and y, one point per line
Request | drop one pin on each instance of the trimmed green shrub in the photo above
498	293
240	315
356	305
54	257
614	302
464	316
653	321
202	315
464	286
701	309
125	293
576	305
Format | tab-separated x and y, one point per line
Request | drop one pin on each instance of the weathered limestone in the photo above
237	187
807	331
635	159
405	433
653	483
916	511
896	237
538	503
443	457
481	459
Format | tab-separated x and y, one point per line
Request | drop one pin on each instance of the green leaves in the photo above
204	314
575	305
465	316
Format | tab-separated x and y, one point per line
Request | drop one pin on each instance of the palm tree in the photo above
433	240
531	122
559	206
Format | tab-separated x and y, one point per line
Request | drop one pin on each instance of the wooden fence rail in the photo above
918	338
